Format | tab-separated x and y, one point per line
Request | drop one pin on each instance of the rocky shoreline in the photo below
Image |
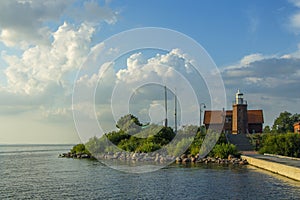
75	155
157	158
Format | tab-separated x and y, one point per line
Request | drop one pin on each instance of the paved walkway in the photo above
281	165
285	161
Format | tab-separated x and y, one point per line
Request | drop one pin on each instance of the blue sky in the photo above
255	45
228	30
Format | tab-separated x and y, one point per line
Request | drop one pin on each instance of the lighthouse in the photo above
239	120
239	114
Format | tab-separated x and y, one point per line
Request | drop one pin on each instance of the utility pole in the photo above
204	106
175	112
166	108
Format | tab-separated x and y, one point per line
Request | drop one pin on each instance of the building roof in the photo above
255	117
216	116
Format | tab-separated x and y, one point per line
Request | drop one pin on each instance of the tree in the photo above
130	124
284	123
267	129
295	118
116	137
282	144
95	145
80	149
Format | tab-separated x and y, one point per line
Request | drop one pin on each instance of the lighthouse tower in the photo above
239	114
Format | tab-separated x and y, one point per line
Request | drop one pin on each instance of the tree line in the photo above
280	139
133	136
284	123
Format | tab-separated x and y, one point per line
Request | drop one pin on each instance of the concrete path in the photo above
285	161
285	166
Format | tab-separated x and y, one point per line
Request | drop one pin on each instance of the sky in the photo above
255	46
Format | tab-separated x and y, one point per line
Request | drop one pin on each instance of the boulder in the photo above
157	159
193	159
230	157
162	159
183	156
186	160
178	160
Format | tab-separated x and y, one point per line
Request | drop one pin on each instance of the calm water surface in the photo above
36	172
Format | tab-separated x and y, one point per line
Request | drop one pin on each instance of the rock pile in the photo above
158	158
195	159
74	155
135	157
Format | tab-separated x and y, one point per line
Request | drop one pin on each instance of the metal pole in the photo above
175	112
166	108
204	106
200	117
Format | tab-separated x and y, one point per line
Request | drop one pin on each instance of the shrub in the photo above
80	149
287	144
148	147
130	144
117	137
178	147
223	150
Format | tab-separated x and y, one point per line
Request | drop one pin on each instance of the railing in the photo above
244	102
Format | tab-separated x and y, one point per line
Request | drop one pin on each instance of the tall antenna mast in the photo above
166	108
175	112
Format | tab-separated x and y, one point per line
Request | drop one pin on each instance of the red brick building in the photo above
297	127
235	121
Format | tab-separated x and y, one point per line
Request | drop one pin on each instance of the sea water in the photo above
36	172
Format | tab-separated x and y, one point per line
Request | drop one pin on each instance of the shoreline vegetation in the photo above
137	142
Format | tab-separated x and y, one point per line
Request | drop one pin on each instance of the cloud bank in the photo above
43	44
268	80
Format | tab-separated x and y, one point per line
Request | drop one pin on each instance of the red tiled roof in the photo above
216	116
255	117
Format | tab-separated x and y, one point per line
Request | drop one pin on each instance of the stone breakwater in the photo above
158	158
138	157
75	155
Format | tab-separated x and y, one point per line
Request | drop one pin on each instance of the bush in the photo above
148	147
146	138
224	150
287	144
130	144
196	144
117	137
80	149
164	136
95	145
178	147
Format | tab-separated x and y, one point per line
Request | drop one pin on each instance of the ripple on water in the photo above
42	175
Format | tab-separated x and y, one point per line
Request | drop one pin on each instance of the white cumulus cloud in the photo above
260	77
295	17
137	88
23	23
39	67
